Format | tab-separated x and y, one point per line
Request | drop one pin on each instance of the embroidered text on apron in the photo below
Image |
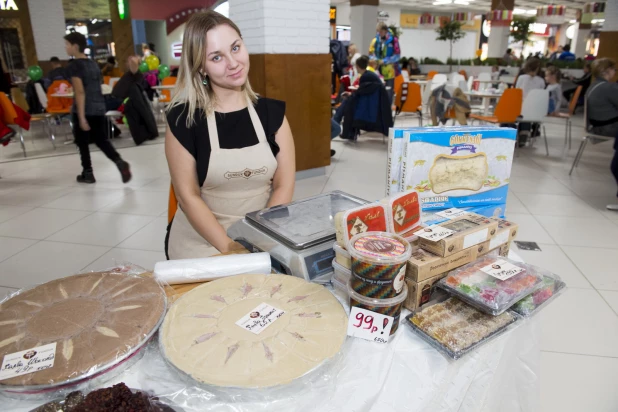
238	181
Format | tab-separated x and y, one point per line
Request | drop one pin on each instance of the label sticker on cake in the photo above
400	280
28	361
502	270
451	213
368	325
406	212
434	233
260	318
380	246
369	219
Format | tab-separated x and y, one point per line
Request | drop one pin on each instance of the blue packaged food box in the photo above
429	217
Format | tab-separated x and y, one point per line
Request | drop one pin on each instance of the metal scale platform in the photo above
298	236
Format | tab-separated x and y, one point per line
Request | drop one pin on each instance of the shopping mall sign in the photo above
8	5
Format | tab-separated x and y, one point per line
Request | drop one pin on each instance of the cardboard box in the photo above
500	244
420	293
430	217
501	251
470	230
424	265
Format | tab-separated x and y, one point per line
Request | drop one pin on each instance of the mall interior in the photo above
463	198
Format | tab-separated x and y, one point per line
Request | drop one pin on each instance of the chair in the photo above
587	136
484	76
568	136
427	95
172	205
470	82
398	90
405	74
456	78
166	95
507	110
106	79
464	74
411	100
44	102
463	85
438	80
44	118
534	110
431	74
58	105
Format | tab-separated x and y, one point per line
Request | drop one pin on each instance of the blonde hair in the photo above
190	90
381	26
600	66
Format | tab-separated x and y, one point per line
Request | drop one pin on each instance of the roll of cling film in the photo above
375	281
394	311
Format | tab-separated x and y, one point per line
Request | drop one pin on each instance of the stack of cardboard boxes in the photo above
474	236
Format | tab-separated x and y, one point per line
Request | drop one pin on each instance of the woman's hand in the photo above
83	124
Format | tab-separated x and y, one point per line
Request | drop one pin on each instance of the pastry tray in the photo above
559	287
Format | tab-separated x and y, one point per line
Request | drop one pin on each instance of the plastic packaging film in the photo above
199	270
550	289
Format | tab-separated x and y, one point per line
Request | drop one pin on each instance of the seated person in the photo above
583	81
495	72
364	72
552	77
413	69
602	98
530	80
373	67
566	54
110	68
57	72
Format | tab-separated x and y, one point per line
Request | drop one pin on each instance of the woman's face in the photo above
227	59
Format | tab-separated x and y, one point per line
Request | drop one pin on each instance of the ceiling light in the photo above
531	12
519	11
462	2
94	21
442	2
573	21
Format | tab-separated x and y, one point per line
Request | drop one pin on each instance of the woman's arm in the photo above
283	181
184	178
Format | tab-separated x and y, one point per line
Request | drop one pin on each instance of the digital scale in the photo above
298	236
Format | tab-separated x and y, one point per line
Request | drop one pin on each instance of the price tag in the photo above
28	361
502	270
369	325
434	233
452	213
260	318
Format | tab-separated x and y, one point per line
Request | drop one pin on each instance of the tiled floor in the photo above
51	227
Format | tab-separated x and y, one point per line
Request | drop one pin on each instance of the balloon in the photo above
479	52
35	73
164	71
124	120
152	61
143	67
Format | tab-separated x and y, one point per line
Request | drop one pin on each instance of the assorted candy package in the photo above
493	284
551	287
455	328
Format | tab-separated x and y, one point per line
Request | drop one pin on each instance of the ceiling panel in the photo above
86	9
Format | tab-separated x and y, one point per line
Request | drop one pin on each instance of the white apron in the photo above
238	181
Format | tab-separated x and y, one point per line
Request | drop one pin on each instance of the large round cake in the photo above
206	333
95	319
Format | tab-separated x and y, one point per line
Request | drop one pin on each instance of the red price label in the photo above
369	325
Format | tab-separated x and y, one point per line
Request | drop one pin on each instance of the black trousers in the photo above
97	135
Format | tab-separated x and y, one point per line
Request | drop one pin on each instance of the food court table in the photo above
486	97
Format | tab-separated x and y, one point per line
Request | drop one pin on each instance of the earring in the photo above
205	81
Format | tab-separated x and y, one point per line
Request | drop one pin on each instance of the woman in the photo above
530	80
602	98
229	152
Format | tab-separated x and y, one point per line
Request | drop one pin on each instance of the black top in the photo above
90	74
121	88
234	128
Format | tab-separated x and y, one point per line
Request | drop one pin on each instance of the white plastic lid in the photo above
381	303
341	251
380	248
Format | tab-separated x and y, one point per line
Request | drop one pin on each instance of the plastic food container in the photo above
367	218
404	212
488	293
390	307
342	275
456	328
379	264
551	287
342	257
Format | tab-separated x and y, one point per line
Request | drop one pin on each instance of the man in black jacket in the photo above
583	81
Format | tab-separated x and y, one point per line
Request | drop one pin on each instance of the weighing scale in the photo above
298	236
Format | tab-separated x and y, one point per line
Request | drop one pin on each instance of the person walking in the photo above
88	111
386	50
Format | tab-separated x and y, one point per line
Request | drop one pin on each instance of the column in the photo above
363	21
288	42
609	34
498	40
48	29
122	32
578	43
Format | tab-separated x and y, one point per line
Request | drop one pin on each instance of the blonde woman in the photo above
229	152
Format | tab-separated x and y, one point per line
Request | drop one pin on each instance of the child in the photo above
495	73
552	77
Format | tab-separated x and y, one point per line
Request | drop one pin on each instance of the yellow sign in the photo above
411	21
8	5
333	14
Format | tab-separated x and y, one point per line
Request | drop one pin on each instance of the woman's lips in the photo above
236	75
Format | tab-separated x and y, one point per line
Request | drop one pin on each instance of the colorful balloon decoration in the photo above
143	67
164	71
152	61
35	73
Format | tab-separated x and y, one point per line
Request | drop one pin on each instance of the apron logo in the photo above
246	174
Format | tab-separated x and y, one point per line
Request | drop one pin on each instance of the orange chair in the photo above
431	74
58	105
43	118
464	74
411	100
166	95
567	115
398	89
106	79
507	110
172	205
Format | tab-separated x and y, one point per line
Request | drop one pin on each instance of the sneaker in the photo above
86	177
332	152
612	207
125	170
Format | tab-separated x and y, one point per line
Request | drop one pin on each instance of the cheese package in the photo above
434	216
421	292
460	167
368	218
404	212
470	230
424	265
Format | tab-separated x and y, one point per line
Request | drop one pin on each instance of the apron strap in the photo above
213	134
257	124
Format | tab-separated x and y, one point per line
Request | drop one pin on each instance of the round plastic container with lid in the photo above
390	307
379	264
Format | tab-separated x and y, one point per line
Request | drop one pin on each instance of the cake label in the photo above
406	212
260	318
369	219
451	213
380	246
28	361
501	269
368	325
434	233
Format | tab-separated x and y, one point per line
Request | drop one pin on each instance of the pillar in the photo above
288	43
578	43
363	21
48	29
498	40
609	35
122	33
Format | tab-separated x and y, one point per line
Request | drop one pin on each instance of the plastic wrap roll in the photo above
175	272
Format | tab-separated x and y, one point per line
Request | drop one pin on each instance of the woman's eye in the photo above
236	48
216	58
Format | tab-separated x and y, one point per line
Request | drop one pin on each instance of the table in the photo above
164	87
417	77
63	95
486	97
